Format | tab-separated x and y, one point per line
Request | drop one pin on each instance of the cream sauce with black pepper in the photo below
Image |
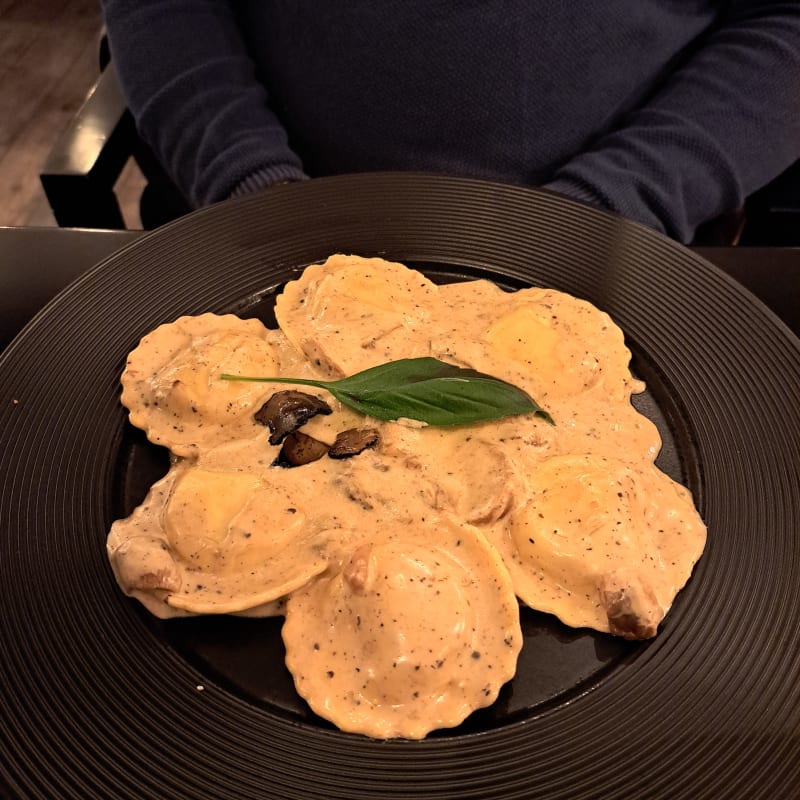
397	569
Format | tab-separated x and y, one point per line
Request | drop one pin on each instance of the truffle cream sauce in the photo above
397	569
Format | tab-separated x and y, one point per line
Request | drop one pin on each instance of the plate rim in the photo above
614	232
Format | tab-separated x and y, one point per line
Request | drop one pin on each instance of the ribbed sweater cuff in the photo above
578	191
268	176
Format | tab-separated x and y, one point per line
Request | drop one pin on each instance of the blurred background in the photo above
48	64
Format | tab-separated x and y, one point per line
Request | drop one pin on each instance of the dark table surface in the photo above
36	263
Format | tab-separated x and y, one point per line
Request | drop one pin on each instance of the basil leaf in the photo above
426	390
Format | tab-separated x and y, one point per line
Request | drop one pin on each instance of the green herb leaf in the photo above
423	389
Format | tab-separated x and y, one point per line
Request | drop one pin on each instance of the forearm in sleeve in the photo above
195	97
722	126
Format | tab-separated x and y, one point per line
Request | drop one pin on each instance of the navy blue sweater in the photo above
667	111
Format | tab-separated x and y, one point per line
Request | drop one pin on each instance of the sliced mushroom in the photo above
299	448
353	441
287	411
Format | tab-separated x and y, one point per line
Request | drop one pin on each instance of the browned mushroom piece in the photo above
353	441
299	448
287	411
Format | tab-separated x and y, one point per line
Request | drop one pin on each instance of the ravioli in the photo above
171	384
459	471
546	342
602	544
413	633
400	568
210	541
353	313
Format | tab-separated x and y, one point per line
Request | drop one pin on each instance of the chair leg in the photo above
80	202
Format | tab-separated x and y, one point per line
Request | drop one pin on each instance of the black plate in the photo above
97	699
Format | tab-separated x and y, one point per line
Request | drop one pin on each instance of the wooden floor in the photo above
48	63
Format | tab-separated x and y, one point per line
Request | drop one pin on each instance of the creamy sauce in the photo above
397	569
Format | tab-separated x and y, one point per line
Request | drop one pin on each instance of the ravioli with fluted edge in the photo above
398	552
413	632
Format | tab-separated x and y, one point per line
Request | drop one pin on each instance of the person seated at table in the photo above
669	112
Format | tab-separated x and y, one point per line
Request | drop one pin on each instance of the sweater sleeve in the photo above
723	125
194	94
